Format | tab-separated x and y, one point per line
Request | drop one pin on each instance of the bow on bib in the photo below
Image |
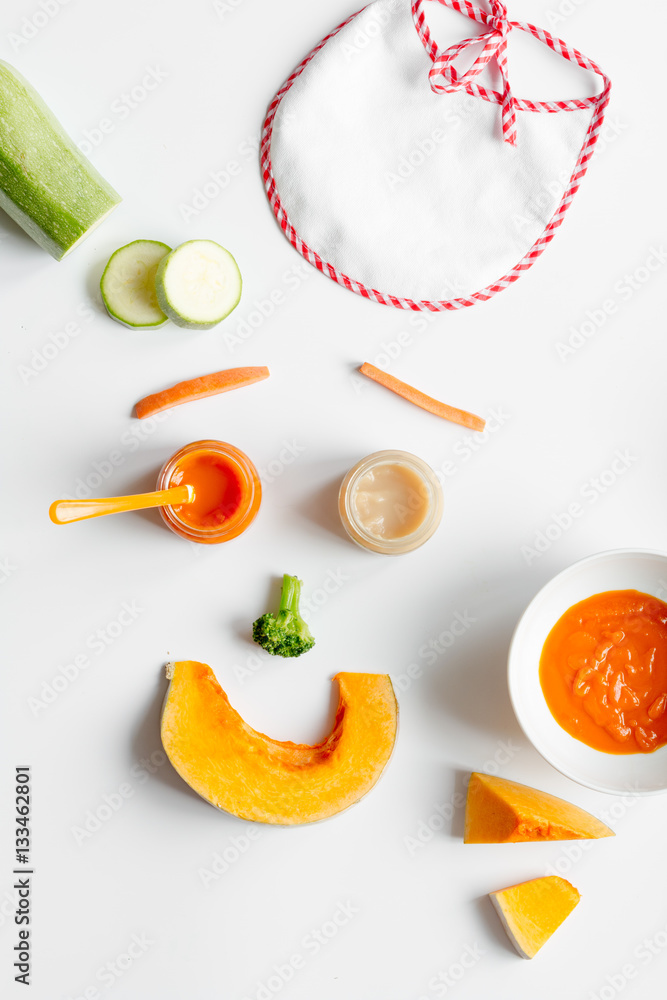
444	78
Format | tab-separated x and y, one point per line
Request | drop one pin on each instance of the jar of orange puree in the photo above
227	491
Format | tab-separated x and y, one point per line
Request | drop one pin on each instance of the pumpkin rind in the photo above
252	776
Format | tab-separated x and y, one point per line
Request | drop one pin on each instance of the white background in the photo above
417	909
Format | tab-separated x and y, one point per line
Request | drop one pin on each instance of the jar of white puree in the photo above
390	502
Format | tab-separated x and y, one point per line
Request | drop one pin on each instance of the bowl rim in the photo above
511	657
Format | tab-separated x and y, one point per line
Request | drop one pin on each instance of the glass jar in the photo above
390	502
227	488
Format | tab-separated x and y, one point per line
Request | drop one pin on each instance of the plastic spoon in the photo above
64	511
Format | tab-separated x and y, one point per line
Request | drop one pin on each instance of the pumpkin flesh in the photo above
532	911
252	776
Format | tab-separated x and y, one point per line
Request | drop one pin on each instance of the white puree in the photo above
391	500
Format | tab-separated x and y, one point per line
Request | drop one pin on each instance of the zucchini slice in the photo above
198	284
128	284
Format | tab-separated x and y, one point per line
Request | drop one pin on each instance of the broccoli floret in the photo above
285	633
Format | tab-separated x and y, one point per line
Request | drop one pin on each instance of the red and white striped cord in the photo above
556	44
598	103
445	79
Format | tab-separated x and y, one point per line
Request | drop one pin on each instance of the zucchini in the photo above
46	183
128	284
198	284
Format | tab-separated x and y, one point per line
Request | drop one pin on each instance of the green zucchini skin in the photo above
46	183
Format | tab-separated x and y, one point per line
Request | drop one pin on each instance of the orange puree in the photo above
603	671
218	486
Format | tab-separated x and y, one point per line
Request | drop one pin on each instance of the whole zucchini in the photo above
46	184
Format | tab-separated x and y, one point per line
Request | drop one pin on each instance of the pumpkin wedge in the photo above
532	911
257	778
504	812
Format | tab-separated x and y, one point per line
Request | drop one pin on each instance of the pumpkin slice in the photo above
504	812
532	911
252	776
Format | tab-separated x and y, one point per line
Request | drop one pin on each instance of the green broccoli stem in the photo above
290	594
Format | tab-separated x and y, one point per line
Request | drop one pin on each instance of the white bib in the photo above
411	183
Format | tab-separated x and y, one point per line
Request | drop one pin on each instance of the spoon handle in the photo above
64	511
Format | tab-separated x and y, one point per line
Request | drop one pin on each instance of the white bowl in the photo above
622	569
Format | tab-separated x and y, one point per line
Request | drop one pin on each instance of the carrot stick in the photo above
421	399
199	388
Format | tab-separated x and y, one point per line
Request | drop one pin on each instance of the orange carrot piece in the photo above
421	399
199	388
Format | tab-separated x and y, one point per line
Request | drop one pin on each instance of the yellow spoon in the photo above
64	511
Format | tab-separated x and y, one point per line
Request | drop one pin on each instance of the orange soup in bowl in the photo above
603	672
